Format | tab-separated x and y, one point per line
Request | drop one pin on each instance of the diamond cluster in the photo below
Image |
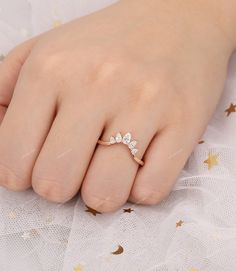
127	140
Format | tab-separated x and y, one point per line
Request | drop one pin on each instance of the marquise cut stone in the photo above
118	137
126	138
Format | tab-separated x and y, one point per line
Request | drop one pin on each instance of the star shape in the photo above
34	233
12	215
56	23
129	210
49	219
179	223
212	160
231	109
78	268
92	211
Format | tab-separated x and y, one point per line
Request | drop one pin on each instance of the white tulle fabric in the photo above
36	235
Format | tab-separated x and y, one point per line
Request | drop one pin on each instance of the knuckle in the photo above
12	180
41	66
104	70
143	94
150	93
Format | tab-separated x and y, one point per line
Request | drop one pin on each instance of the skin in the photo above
152	68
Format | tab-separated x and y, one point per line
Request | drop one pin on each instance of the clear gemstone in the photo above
134	151
118	137
112	140
132	144
126	138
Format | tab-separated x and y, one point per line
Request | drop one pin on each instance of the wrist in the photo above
224	13
218	15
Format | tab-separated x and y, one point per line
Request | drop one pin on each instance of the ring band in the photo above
127	140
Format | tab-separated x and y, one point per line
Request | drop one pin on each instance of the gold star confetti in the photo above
129	210
179	223
56	23
2	57
49	219
201	142
34	233
231	109
12	215
194	269
212	160
78	268
92	211
119	250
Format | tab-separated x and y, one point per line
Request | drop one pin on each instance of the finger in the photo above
165	158
112	170
66	153
10	69
23	131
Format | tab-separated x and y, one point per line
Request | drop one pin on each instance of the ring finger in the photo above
112	171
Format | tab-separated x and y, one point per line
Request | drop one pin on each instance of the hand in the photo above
152	68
